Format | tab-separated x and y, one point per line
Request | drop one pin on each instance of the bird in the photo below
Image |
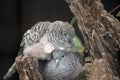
44	37
64	65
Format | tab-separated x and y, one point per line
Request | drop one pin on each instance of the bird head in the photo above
58	55
61	35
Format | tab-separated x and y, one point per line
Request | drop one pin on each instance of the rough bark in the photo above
28	68
101	34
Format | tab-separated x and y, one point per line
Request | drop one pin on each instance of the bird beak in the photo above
57	62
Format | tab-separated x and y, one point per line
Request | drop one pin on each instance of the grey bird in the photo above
64	66
43	38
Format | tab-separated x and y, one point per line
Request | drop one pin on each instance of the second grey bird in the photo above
64	66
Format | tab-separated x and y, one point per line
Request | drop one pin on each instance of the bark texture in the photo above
101	34
28	68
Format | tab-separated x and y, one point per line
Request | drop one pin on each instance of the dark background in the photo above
16	16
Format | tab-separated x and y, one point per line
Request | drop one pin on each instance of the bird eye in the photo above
65	33
63	56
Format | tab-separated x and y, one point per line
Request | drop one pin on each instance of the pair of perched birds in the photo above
53	41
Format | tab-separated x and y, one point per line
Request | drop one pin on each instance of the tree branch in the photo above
101	33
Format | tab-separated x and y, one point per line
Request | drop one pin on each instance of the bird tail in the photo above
10	72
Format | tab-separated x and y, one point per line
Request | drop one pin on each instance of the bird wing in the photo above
34	34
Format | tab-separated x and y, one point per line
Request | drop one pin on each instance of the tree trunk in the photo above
101	34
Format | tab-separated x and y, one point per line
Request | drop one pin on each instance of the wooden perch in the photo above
101	34
28	68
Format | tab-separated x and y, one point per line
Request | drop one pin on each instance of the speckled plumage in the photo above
64	65
44	37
